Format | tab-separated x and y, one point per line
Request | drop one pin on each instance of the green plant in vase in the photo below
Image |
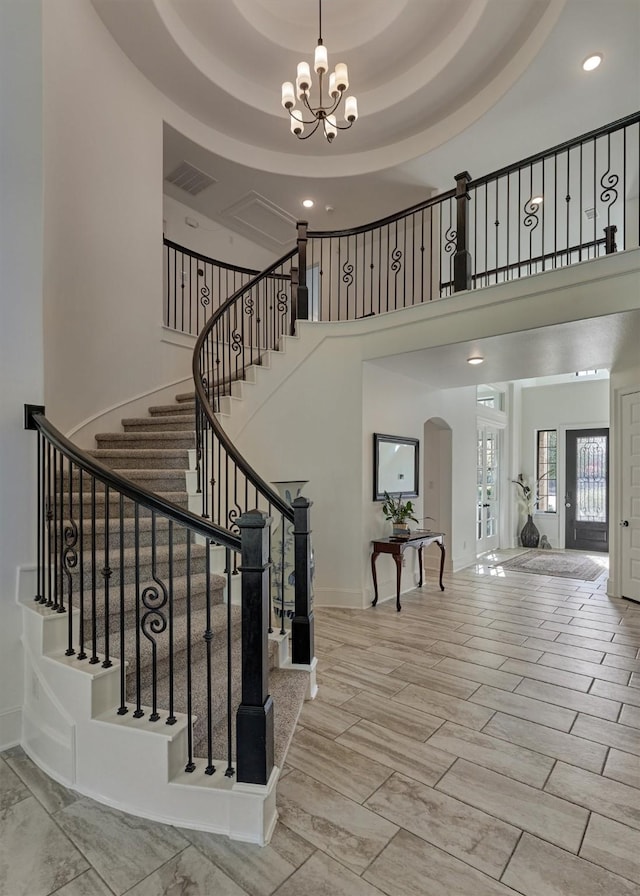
399	512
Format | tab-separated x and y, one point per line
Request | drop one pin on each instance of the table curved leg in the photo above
398	559
374	557
442	553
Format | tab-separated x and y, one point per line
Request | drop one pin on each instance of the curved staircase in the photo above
154	452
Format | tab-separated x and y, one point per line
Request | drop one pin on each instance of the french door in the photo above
488	495
587	494
630	498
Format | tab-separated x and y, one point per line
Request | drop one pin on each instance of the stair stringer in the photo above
72	731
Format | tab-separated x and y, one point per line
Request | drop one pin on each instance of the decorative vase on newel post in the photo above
283	577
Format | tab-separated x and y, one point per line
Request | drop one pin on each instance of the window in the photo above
546	470
490	397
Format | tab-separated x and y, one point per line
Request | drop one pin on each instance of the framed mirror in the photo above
395	466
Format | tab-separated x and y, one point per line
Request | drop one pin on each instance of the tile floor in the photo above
484	741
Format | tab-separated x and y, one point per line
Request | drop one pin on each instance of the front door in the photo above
487	511
587	495
630	503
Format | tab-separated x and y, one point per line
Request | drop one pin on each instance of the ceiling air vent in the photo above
591	213
190	179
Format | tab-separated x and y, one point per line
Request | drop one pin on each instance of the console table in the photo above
396	547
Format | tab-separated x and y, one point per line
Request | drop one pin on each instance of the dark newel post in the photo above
303	292
610	239
302	646
294	301
254	720
29	411
462	257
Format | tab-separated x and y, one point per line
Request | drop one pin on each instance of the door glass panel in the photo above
487	489
591	479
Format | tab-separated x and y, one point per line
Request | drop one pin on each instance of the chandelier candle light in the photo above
338	83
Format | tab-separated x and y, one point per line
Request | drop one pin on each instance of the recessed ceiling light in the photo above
536	200
475	359
308	203
592	62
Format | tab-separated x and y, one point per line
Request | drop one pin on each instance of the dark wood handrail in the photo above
136	493
252	476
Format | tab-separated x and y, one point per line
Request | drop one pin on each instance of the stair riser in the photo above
163	424
185	409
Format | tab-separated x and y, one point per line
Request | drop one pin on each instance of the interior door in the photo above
488	497
630	504
587	494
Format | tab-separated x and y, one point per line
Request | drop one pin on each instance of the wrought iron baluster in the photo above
230	771
106	576
70	561
94	658
123	708
190	766
208	638
171	720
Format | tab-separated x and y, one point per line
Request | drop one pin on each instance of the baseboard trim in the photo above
10	727
337	597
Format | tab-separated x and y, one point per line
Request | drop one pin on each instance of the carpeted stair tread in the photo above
287	688
197	591
128	530
181	499
175	423
155	479
216	615
198	559
181	439
136	458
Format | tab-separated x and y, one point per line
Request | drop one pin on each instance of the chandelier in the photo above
324	112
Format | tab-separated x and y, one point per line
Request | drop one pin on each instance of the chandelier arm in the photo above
313	120
343	127
311	132
314	110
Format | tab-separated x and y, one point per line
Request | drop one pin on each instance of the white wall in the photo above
21	366
103	221
562	406
397	405
211	238
312	417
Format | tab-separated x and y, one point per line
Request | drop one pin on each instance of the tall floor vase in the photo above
529	535
283	576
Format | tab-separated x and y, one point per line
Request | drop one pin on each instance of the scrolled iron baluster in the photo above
153	623
236	342
205	295
347	273
69	563
609	194
450	236
530	220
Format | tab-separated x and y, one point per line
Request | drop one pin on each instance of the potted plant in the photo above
398	511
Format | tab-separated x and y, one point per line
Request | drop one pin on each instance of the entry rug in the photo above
555	563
